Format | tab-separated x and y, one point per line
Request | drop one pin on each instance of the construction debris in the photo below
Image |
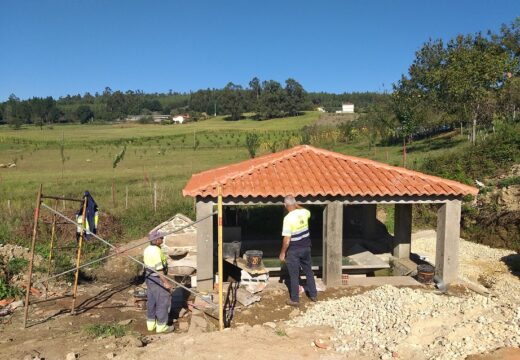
246	298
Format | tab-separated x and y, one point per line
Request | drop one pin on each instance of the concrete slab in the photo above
364	258
383	280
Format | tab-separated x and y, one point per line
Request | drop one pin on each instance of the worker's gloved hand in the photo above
282	257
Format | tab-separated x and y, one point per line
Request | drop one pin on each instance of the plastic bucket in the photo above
232	249
254	258
425	273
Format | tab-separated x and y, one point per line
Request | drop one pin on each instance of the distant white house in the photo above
156	118
346	108
320	109
179	119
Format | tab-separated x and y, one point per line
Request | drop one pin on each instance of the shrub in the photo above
252	143
9	291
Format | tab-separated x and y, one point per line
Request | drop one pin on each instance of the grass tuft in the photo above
105	330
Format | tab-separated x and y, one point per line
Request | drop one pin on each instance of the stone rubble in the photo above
388	320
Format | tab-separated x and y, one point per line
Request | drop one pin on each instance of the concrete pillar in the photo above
204	247
448	233
332	243
369	221
402	230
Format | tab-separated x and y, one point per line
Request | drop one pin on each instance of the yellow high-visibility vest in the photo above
154	258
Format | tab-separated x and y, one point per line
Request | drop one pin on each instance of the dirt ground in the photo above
258	331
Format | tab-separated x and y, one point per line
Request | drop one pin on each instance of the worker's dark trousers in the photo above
158	300
295	259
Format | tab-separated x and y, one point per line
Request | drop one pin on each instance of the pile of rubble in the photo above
9	252
392	322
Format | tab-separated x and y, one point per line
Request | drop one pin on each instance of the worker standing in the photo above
158	287
296	250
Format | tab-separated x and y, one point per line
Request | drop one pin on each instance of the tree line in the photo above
264	99
469	82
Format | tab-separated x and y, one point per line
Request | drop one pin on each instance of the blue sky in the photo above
68	47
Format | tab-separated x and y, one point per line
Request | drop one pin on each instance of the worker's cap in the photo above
289	200
155	235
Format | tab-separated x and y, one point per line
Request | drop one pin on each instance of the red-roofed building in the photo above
337	182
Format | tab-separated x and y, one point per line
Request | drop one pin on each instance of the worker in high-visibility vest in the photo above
296	250
158	287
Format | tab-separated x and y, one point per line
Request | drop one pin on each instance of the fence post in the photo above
155	197
126	198
9	207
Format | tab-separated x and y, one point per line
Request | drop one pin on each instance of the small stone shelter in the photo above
333	180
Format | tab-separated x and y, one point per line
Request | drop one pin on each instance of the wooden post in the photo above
113	193
9	207
220	262
33	243
155	197
404	151
53	234
126	198
78	258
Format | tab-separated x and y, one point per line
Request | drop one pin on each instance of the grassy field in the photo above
127	131
163	154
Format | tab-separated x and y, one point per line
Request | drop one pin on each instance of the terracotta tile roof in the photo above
308	171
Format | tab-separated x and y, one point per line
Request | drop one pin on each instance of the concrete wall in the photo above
204	247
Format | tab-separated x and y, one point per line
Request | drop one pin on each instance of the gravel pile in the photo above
388	322
424	242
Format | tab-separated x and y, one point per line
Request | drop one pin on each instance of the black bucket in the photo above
254	258
425	273
232	249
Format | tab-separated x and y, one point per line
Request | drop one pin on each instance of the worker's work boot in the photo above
164	329
292	303
151	325
314	298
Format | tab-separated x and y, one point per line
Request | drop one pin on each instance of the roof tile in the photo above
308	171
